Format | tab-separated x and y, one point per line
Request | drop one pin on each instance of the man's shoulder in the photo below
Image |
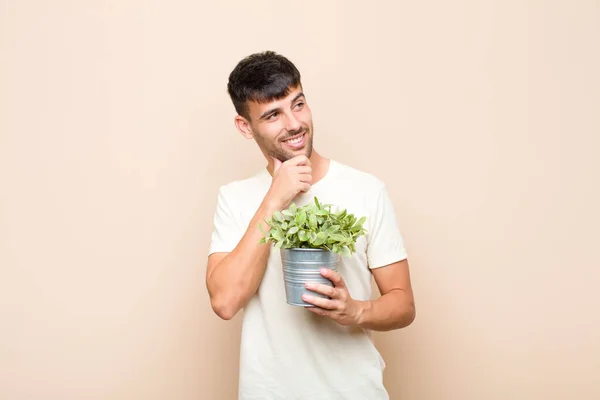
239	188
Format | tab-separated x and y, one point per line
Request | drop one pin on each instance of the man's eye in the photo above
272	116
299	105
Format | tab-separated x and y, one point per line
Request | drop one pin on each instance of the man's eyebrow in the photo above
298	96
273	110
269	112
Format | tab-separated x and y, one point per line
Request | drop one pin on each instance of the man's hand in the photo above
341	308
289	179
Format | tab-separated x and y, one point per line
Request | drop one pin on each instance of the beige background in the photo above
116	131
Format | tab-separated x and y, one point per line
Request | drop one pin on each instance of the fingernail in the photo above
323	270
309	285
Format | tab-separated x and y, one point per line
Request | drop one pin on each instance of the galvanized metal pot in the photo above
303	265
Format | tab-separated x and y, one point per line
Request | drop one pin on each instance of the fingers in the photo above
305	178
333	276
304	169
322	289
289	178
320	311
301	164
325	304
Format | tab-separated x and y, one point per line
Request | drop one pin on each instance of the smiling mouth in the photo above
296	141
299	135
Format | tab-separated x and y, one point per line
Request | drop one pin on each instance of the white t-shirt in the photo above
287	352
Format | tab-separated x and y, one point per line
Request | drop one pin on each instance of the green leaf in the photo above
333	229
345	252
278	216
288	214
301	218
312	221
303	236
277	235
321	238
292	231
338	237
358	225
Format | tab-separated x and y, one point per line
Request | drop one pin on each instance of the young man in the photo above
291	352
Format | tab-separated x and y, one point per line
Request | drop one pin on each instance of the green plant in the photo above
316	226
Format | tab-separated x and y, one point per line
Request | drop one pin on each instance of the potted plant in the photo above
309	238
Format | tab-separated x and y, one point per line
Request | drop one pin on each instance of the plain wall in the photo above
116	132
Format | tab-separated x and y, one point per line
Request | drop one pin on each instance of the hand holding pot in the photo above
289	179
341	308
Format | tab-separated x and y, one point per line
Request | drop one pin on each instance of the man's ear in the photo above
243	126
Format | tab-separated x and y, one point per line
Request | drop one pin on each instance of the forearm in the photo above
236	278
393	310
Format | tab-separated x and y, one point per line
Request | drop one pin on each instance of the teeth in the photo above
295	141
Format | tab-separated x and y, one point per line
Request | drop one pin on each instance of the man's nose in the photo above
292	123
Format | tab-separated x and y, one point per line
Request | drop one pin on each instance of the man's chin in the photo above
303	152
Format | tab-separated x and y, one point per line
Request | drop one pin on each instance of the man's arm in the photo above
233	278
395	308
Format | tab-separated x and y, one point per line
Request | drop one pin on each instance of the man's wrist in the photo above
362	317
270	205
266	211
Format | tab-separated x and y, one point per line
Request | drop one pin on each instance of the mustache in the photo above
294	133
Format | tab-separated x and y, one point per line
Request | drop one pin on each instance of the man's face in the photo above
283	128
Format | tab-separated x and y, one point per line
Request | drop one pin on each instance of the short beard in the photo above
283	155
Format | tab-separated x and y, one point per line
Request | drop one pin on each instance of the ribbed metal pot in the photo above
303	265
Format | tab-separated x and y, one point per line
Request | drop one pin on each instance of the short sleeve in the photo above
226	227
384	241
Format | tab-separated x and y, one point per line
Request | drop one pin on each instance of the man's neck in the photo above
320	166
